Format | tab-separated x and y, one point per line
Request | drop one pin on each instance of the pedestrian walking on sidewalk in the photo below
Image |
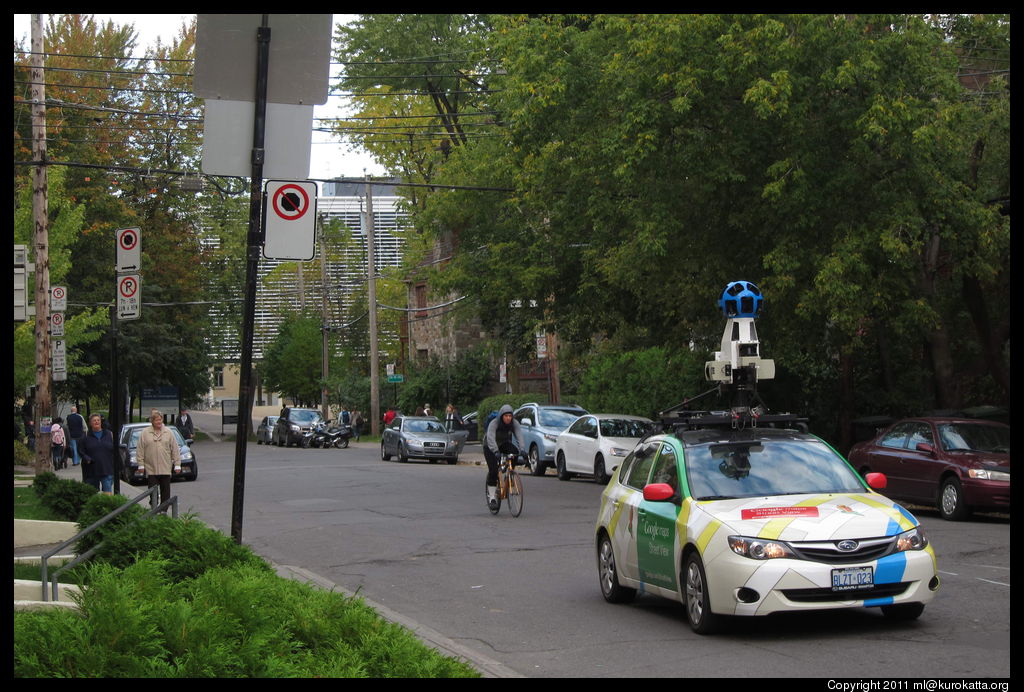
57	443
76	433
184	425
98	456
158	453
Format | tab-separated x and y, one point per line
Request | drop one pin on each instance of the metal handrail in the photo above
154	509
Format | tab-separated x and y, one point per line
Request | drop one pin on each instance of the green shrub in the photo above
99	506
43	482
236	622
66	497
187	544
23	456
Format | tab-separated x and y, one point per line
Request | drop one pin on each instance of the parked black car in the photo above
293	425
132	474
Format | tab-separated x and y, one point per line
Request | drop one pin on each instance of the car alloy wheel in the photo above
537	467
698	602
951	501
612	591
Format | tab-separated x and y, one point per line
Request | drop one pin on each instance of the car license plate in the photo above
851	578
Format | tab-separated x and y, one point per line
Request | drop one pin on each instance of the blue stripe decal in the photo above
890	569
878	602
910	517
893	528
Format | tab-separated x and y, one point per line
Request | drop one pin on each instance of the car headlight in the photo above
989	475
759	548
414	443
915	539
619	452
550	438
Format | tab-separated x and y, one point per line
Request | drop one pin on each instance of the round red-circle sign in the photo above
58	292
57	318
128	239
288	205
128	286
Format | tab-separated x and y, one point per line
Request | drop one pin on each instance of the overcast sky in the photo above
328	158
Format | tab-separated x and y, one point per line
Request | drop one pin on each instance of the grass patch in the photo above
28	505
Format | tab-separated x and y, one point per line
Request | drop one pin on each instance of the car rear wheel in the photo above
951	500
697	600
612	591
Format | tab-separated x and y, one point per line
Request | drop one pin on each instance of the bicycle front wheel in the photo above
515	494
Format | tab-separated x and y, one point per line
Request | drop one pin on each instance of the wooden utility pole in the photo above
41	410
372	300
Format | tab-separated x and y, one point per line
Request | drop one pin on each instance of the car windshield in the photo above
975	437
767	467
419	426
133	441
624	428
556	418
304	416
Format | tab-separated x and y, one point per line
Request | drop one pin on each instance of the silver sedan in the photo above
421	437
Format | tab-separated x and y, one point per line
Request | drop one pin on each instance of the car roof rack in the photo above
732	419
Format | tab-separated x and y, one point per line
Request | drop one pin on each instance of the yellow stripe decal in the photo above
774	528
705	536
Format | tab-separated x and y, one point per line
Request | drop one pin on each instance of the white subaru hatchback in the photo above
757	521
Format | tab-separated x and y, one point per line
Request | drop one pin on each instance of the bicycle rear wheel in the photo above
515	494
496	506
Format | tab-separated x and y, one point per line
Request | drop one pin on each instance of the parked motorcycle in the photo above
322	436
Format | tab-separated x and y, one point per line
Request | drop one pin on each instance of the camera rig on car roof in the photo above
736	370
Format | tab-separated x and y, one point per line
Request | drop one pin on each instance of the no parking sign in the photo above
289	220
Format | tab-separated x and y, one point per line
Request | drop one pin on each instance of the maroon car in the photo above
957	464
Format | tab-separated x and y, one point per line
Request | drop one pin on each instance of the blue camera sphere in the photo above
741	299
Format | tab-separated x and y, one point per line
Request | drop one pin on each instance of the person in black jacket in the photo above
97	451
184	425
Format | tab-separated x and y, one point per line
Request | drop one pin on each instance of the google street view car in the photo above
743	512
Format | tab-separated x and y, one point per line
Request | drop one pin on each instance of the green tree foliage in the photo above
116	122
836	160
293	361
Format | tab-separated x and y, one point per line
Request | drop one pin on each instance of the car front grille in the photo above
830	552
828	595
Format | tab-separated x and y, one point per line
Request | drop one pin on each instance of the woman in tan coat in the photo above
158	453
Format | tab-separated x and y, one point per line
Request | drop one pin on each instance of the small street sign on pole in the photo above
290	220
58	299
129	250
129	297
57	324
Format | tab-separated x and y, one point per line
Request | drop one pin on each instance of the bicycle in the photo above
510	485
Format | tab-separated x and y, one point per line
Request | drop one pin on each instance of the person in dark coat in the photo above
184	425
97	451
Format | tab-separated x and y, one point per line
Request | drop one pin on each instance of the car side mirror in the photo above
877	481
528	422
658	492
926	448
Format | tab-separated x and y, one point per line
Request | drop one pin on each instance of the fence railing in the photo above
152	494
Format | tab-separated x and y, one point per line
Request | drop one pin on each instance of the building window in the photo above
218	377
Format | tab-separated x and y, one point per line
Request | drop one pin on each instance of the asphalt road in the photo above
519	596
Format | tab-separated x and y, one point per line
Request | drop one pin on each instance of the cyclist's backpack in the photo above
491	416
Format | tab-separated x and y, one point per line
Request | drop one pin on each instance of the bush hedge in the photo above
62	496
174	598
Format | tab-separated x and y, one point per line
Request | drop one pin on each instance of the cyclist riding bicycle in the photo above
503	434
